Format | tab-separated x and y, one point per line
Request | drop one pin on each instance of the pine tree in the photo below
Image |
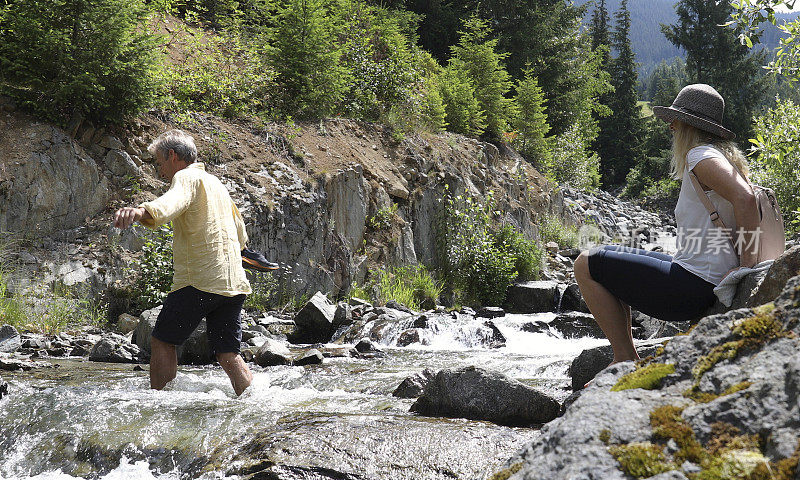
60	57
476	58
715	56
306	57
624	125
599	29
531	122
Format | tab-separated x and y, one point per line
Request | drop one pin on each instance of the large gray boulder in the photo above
532	297
272	353
113	348
742	374
195	351
783	268
478	394
314	321
592	361
10	339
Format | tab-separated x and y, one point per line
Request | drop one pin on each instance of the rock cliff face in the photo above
309	195
720	402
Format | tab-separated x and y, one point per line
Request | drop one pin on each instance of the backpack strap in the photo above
712	210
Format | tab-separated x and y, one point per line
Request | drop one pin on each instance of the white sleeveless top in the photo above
703	249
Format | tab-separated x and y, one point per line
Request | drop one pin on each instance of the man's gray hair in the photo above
178	141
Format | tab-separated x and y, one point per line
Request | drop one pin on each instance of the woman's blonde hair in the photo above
686	137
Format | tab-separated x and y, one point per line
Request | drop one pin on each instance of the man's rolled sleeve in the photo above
170	205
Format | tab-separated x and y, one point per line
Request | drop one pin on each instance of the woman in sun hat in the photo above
613	279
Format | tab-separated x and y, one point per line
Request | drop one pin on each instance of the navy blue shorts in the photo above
184	309
650	282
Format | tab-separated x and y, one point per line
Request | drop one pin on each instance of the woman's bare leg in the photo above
613	316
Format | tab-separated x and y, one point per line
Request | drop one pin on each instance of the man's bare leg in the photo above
611	314
163	363
237	371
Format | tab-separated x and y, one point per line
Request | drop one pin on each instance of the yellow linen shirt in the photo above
208	235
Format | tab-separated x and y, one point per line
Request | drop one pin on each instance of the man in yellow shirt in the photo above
209	280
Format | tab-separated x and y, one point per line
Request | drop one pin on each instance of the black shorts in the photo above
184	309
651	282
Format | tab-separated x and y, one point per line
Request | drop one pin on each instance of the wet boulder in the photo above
311	357
272	353
493	337
113	348
592	361
576	325
478	394
195	351
490	312
413	386
10	340
572	300
410	336
314	321
532	297
3	388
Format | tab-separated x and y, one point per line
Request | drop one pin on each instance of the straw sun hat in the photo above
700	106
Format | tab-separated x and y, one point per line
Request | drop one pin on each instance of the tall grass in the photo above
412	286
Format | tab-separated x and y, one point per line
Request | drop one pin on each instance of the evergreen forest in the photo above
559	81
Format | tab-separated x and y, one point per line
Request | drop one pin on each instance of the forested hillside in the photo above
565	97
650	45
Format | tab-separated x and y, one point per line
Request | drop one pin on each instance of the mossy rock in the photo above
648	377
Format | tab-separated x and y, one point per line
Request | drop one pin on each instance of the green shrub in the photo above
383	217
378	56
776	158
412	286
154	269
423	107
478	259
526	254
219	74
553	229
87	56
572	162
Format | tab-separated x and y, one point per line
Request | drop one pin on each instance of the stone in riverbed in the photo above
273	353
413	386
127	323
3	388
576	324
572	300
490	312
478	394
407	337
113	348
311	357
314	321
10	340
532	297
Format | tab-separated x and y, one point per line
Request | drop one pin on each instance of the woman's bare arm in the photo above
723	178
